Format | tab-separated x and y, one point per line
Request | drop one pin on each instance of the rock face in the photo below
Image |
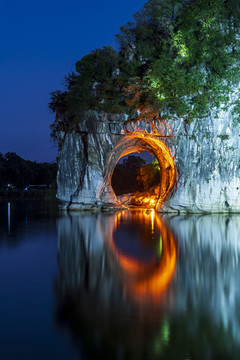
199	162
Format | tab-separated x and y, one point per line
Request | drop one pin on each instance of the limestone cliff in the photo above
199	161
208	164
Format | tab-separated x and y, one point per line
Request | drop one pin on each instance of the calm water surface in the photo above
128	285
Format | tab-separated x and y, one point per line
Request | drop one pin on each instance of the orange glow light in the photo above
135	139
148	281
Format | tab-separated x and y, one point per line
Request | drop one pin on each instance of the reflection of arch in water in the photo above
142	141
145	281
92	287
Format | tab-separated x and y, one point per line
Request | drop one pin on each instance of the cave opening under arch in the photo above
136	178
137	142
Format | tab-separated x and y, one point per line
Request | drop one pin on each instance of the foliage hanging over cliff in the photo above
175	59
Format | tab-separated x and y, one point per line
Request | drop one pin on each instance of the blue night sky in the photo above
40	42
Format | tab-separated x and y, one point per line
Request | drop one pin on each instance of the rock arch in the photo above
205	165
139	141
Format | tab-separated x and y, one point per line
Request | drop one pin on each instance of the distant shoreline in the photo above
31	194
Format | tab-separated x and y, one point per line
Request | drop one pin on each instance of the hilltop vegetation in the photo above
177	58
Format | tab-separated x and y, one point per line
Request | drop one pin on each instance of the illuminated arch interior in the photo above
142	172
139	141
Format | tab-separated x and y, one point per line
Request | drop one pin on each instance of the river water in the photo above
127	285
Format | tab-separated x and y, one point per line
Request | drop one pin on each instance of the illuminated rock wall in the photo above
208	165
206	154
82	159
88	156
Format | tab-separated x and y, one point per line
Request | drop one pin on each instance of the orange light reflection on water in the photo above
147	280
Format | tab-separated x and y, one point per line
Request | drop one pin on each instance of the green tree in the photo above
124	178
149	175
177	58
194	67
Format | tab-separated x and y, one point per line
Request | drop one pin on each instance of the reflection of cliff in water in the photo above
113	300
209	267
103	292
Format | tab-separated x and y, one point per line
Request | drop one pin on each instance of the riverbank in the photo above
15	194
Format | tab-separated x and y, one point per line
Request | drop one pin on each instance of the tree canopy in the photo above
177	58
